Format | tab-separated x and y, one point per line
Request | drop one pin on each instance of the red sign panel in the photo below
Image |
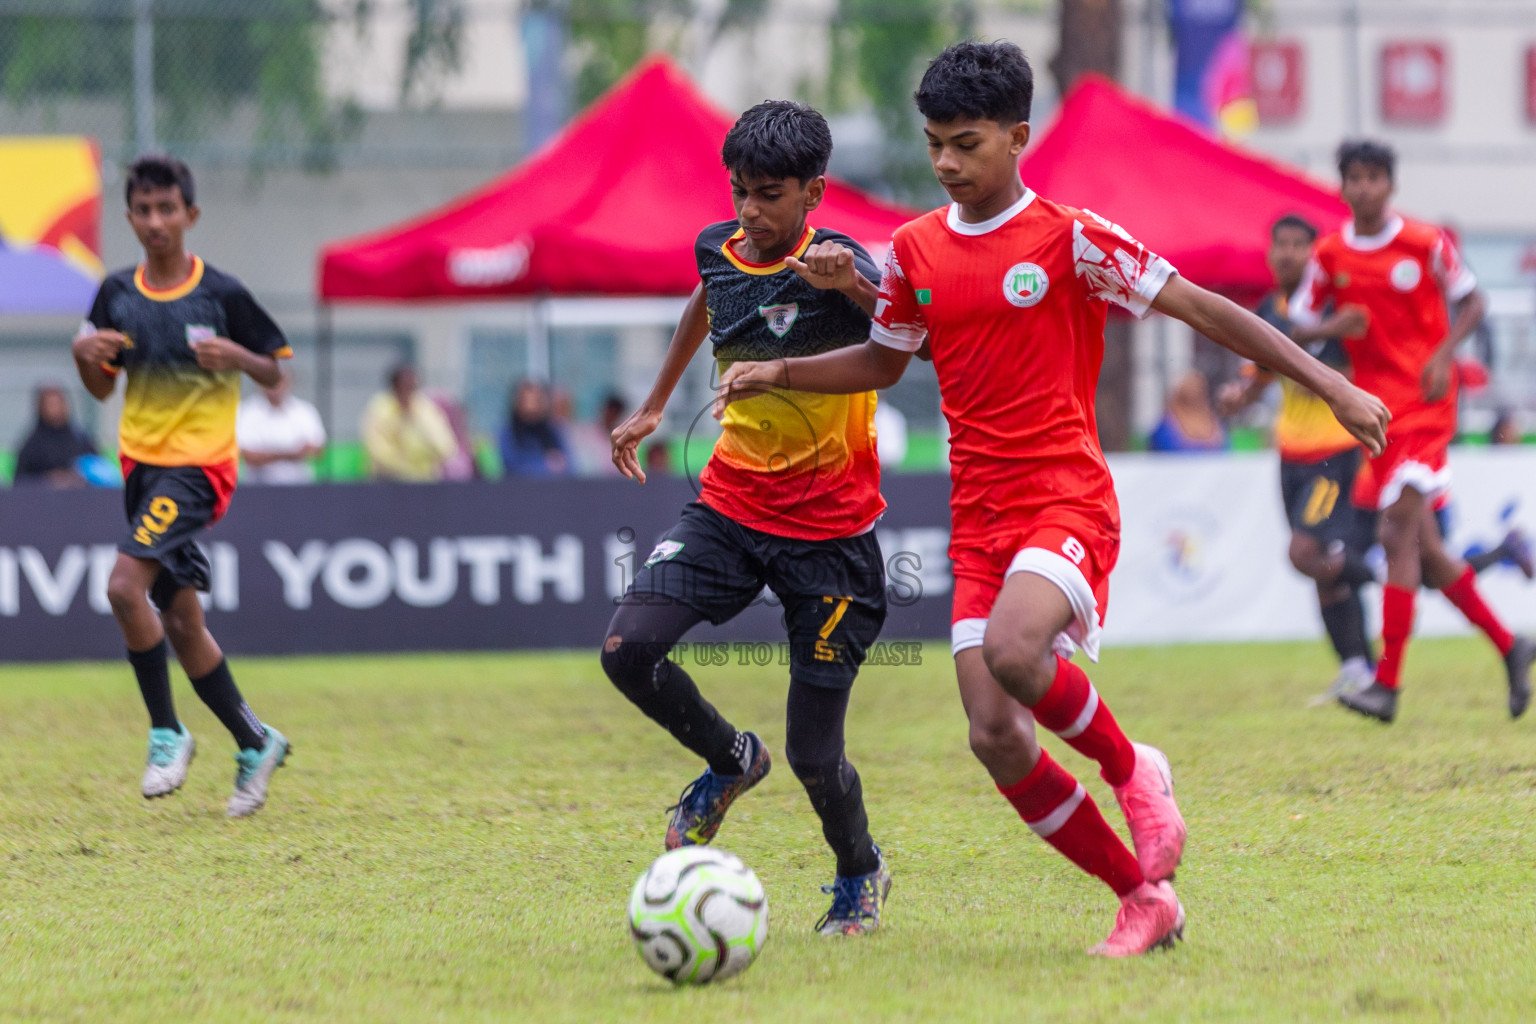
1414	83
1275	69
1530	84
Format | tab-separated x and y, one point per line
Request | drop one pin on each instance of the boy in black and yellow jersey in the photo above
1318	460
787	501
183	333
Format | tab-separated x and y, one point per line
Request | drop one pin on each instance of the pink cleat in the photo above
1151	917
1157	827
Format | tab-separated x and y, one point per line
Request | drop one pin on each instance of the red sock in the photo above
1059	810
1071	709
1396	625
1463	594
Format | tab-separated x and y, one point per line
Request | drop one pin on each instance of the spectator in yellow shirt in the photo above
406	435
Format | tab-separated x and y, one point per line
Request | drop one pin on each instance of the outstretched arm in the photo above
691	331
1232	327
845	371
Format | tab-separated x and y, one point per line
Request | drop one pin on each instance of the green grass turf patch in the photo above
456	836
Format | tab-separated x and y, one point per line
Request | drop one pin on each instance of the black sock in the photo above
814	747
635	659
1484	559
837	795
671	700
155	685
1345	622
219	692
1355	572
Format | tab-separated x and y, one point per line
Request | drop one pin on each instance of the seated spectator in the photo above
279	433
531	442
1190	424
461	465
1506	429
406	435
658	457
50	452
592	442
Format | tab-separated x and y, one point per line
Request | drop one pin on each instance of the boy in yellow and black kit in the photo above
183	333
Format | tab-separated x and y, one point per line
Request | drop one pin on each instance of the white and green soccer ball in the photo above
698	915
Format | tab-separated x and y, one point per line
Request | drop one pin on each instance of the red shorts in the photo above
1415	459
1075	552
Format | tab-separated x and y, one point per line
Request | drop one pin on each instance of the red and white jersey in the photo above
1013	310
1405	277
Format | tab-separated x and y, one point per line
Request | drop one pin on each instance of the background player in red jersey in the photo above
184	333
1009	291
1422	302
1318	462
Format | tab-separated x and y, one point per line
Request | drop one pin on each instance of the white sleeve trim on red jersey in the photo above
1120	278
1299	306
1465	282
906	339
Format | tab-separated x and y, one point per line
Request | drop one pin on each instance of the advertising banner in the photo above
539	564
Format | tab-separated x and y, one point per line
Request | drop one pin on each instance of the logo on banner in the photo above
1025	284
1187	568
1405	275
780	318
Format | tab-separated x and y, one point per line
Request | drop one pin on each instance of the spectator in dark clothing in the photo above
531	442
49	454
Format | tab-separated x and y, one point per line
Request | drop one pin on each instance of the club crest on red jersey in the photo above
1025	284
1406	274
780	318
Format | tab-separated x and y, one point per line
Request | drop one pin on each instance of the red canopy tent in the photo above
610	206
1204	205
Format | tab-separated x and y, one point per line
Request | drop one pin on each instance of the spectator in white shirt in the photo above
278	434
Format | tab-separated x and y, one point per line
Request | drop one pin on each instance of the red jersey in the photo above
1013	310
1404	277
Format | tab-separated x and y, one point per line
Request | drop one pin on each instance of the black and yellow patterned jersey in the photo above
1306	429
789	463
175	413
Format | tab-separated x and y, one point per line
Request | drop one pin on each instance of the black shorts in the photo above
1316	496
833	591
168	506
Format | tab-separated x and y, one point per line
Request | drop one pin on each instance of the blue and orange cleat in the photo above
856	902
700	811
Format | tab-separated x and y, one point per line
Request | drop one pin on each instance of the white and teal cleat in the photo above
253	770
165	769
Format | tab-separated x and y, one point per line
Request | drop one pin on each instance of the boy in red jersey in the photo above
1009	292
1422	302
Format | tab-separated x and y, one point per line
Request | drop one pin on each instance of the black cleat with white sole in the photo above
1375	701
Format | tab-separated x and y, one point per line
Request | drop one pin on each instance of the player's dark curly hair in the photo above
980	81
1297	222
778	139
160	171
1367	152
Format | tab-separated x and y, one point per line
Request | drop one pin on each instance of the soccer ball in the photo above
698	915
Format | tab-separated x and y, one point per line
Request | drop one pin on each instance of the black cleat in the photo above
1518	664
1375	701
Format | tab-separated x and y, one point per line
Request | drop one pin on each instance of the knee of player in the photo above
1398	529
628	662
1304	554
1023	664
1001	740
124	591
180	624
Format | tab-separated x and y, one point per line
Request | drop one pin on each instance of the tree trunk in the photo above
1090	41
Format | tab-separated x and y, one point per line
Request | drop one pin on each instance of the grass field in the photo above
456	837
